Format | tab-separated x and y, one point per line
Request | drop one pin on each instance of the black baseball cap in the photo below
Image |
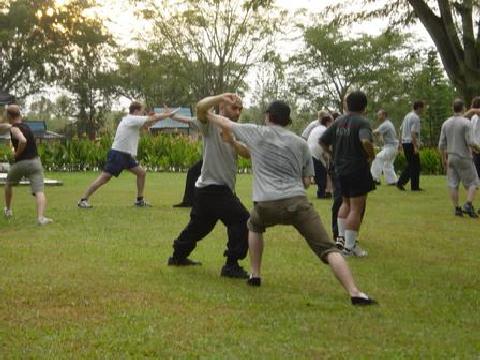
280	112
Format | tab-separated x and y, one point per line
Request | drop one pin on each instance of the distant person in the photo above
214	195
456	143
122	155
320	160
282	168
193	174
383	162
351	139
27	164
476	132
410	140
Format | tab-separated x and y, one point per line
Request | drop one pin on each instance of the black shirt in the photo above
345	135
30	151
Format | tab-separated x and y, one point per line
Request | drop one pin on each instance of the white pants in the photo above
383	162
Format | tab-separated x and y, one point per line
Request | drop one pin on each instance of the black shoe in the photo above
419	189
182	204
234	271
458	211
328	195
469	210
376	182
254	281
172	261
400	187
362	301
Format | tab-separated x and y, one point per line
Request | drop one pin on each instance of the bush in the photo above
430	161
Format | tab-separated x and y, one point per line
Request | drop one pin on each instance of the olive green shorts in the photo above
31	169
299	213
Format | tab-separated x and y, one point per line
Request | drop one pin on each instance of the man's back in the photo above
456	136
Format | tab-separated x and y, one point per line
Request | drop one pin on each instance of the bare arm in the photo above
368	147
239	147
223	122
154	118
326	149
204	105
444	158
307	181
22	141
414	142
4	127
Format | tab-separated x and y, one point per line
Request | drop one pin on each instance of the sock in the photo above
350	239
341	227
140	198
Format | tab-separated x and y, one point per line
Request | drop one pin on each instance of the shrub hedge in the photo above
162	153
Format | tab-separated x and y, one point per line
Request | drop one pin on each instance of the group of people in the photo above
338	153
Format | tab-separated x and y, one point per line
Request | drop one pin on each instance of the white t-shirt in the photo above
128	134
313	141
476	129
309	128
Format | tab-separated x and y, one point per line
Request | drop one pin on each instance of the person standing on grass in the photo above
282	167
384	160
320	163
214	196
27	164
456	144
476	132
410	140
123	152
351	139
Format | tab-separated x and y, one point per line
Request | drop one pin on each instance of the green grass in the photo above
95	283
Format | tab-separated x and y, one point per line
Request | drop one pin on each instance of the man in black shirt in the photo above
27	164
351	139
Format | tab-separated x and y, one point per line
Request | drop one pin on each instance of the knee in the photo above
142	173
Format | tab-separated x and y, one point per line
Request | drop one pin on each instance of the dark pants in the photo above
192	176
412	171
476	161
320	177
213	203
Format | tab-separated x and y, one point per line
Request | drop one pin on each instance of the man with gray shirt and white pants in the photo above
383	162
455	145
410	140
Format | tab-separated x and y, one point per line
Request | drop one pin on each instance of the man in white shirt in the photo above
410	140
123	152
320	162
306	132
383	161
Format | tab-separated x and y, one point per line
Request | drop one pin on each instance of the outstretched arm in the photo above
4	127
154	118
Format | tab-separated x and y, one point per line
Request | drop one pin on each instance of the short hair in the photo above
458	105
279	113
418	104
135	105
384	112
357	101
476	102
13	111
335	114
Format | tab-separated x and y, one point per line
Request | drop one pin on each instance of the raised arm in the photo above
204	105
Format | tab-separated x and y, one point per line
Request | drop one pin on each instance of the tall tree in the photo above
216	41
452	27
35	40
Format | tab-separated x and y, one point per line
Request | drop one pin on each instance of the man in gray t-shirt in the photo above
214	196
384	160
282	169
455	145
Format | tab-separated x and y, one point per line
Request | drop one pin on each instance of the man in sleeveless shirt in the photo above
27	164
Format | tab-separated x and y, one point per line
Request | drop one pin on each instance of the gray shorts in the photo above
461	169
31	169
296	211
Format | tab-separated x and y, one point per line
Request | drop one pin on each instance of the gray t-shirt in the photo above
280	160
219	158
389	135
411	123
456	137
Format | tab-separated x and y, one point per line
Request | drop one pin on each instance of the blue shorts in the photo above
118	161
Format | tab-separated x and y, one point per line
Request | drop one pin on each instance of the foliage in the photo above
430	162
36	39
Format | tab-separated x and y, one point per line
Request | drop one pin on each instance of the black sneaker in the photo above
469	210
458	211
254	281
400	187
419	189
172	261
182	204
234	271
362	301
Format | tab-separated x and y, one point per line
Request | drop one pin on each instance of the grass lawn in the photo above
95	283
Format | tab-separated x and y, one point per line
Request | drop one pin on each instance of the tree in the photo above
331	65
216	42
35	40
450	25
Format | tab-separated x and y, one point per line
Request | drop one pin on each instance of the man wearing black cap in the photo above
282	168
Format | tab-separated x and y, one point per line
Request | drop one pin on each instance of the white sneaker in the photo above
44	221
7	212
359	252
84	204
